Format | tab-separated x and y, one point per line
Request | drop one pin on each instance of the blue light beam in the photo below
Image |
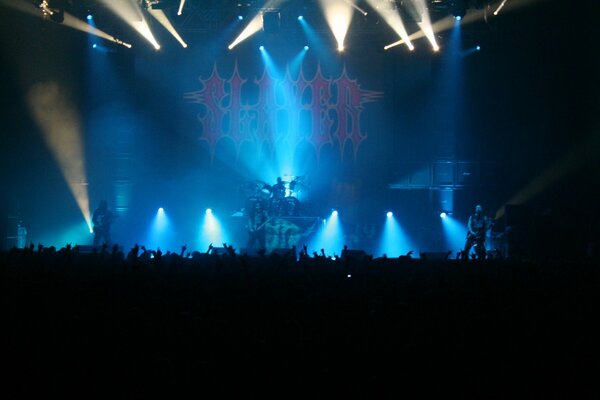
454	233
211	231
330	237
160	234
394	241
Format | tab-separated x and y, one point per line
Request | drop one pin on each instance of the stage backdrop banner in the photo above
281	111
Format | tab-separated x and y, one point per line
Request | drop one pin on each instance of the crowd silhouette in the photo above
141	323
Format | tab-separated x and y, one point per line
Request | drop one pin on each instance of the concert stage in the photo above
281	232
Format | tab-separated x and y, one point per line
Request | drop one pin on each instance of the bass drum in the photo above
291	207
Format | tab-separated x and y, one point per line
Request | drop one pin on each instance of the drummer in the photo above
278	189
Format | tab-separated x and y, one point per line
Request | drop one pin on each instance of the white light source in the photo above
500	7
162	18
181	4
338	14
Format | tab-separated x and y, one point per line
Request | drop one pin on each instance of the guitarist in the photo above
257	219
478	226
102	219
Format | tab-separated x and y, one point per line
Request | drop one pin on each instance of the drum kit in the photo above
279	200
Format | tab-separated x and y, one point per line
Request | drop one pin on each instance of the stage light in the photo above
478	48
261	48
338	14
392	17
160	232
357	8
240	17
180	10
68	19
500	7
459	9
162	18
130	12
306	47
443	215
426	26
61	128
211	230
454	232
330	236
254	26
89	17
94	45
393	240
300	17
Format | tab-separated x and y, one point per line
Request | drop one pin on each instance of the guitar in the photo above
104	221
259	227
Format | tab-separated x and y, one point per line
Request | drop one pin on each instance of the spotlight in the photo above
180	10
390	214
338	15
209	211
478	48
500	7
162	19
334	213
161	210
458	8
94	45
261	48
240	17
89	17
253	26
306	47
300	17
443	215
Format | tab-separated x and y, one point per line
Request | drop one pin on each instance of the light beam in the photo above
255	24
448	22
162	18
180	10
338	14
500	7
69	20
61	129
394	20
131	13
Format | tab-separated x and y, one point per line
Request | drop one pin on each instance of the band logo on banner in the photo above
320	111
